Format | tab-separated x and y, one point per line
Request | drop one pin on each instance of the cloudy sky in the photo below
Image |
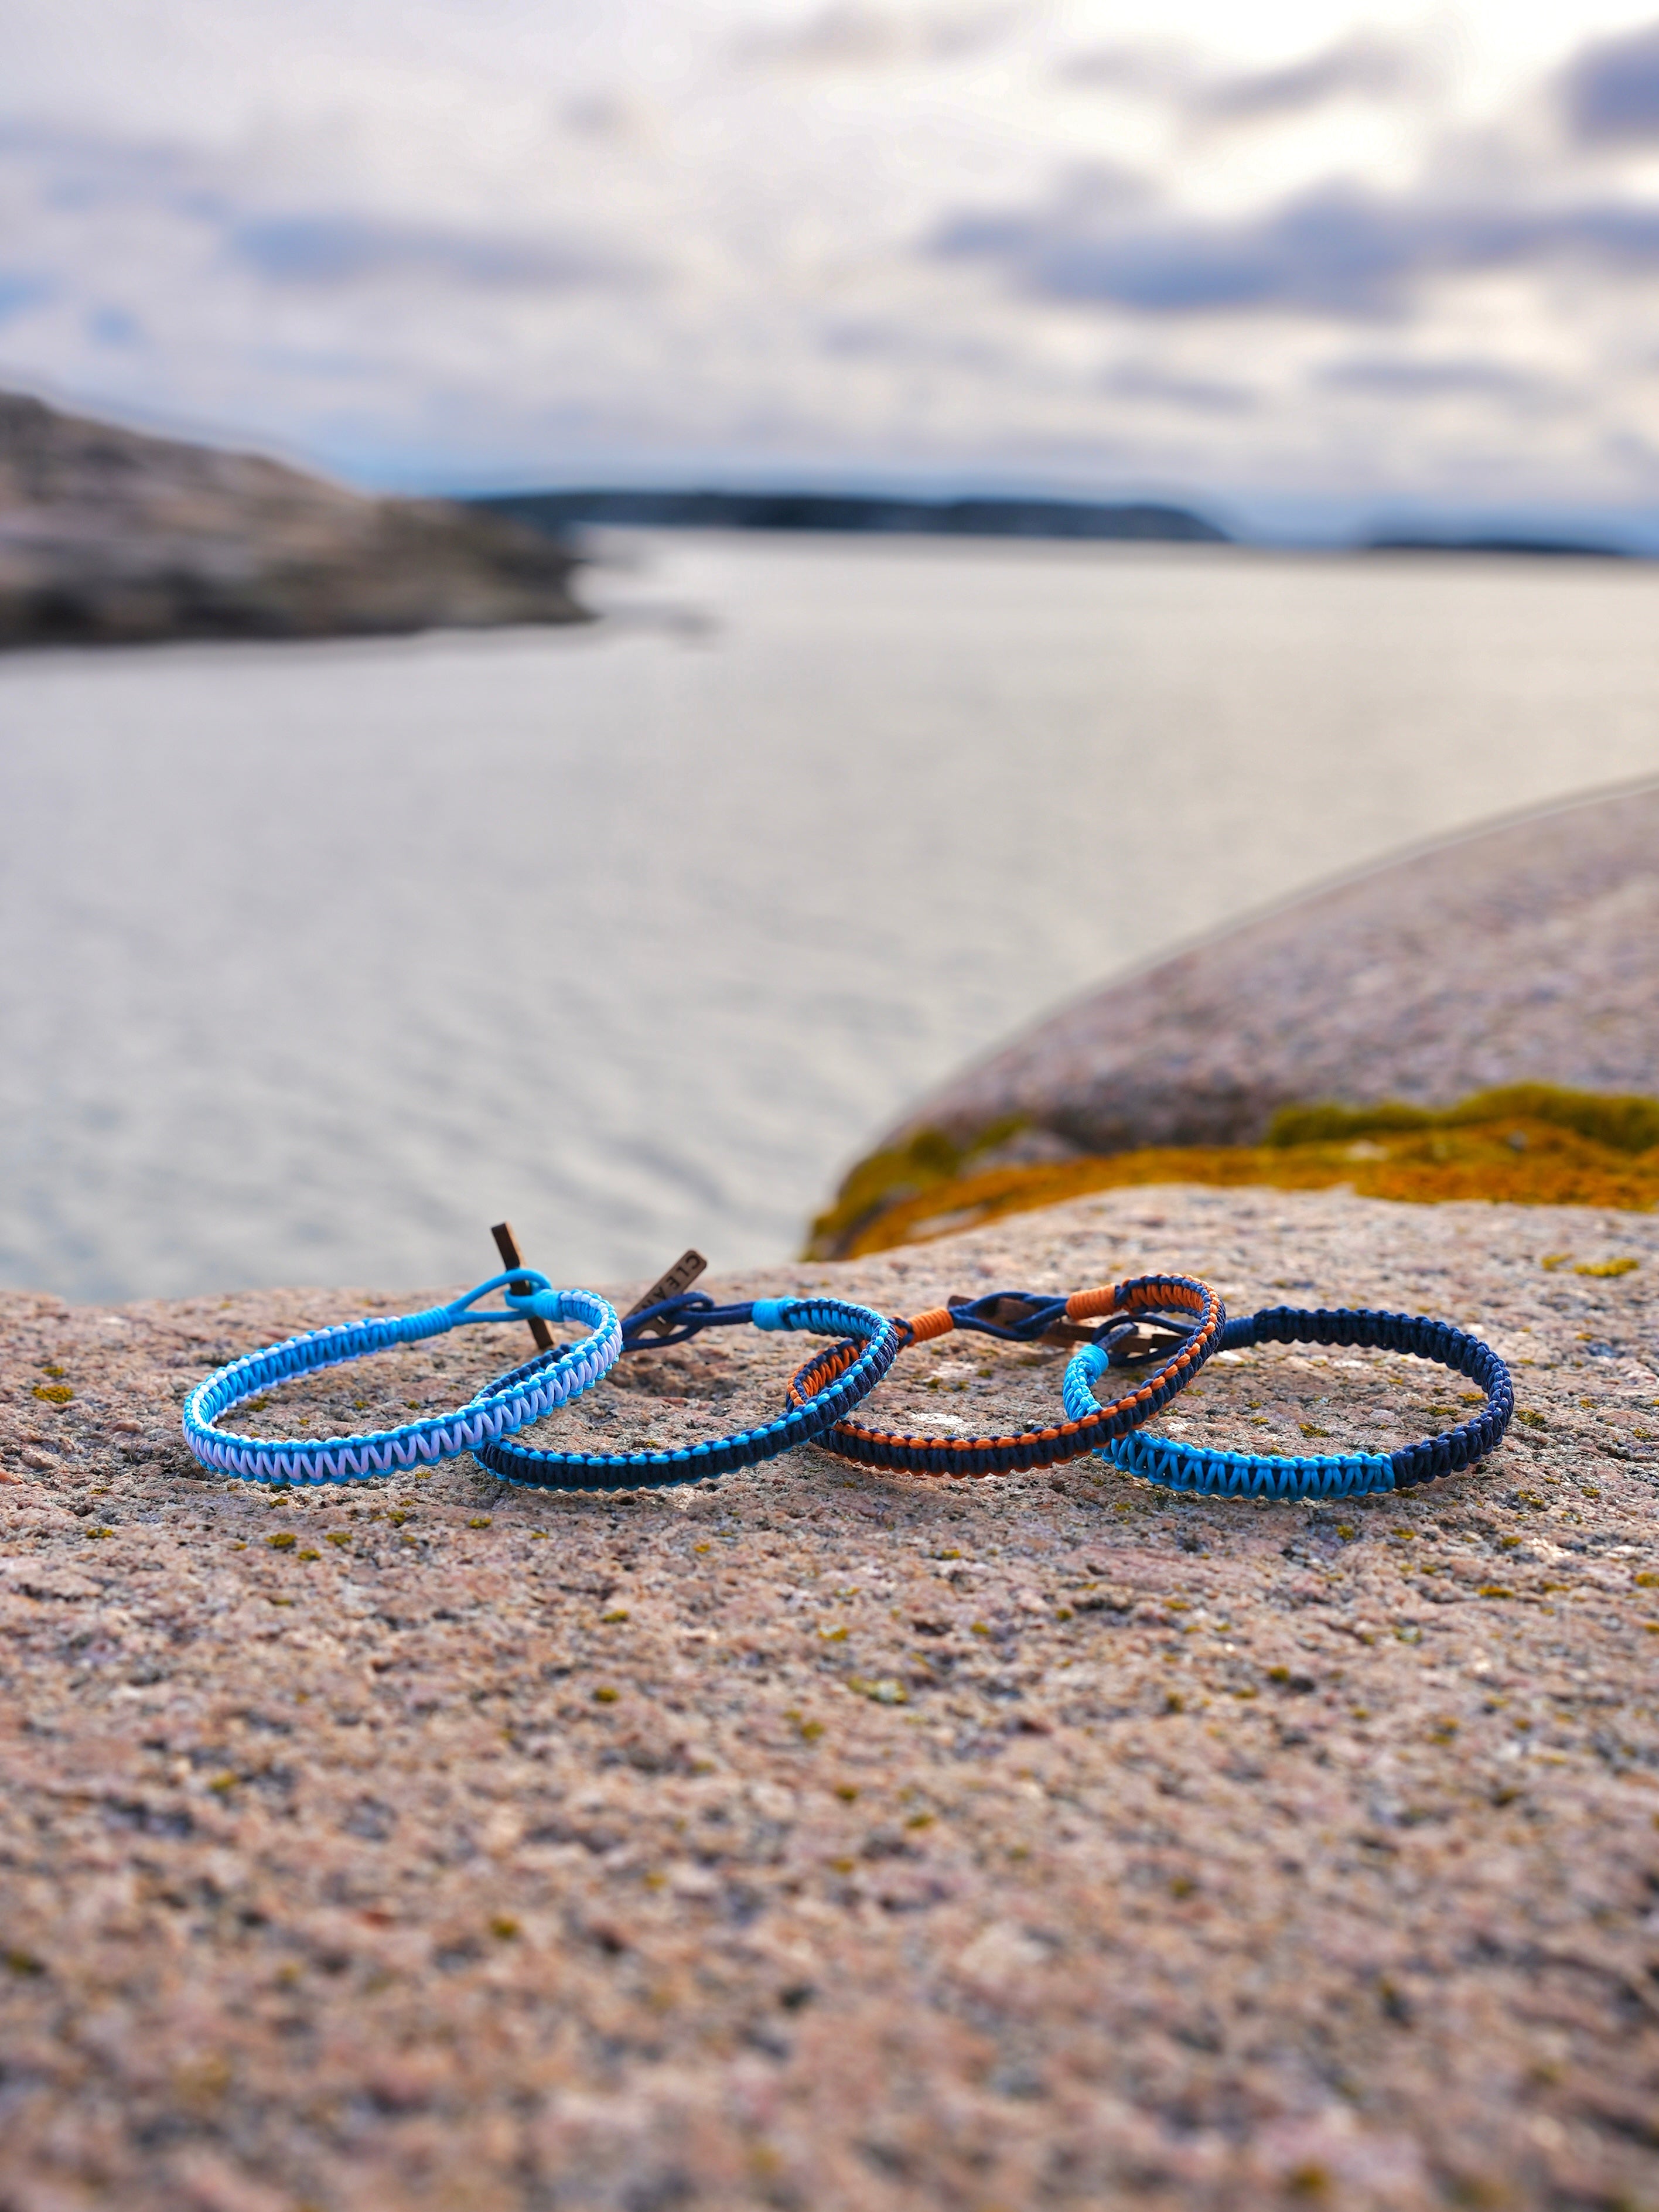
1303	265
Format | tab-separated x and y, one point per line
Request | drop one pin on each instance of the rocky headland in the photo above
110	537
825	1839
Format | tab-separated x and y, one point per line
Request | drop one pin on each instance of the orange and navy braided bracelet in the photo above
1187	1316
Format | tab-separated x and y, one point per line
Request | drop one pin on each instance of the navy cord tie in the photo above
688	1315
1037	1316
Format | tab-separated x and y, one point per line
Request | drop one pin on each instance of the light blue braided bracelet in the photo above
1319	1475
497	1410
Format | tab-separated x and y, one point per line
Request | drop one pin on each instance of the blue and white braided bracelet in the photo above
689	1314
1319	1475
497	1410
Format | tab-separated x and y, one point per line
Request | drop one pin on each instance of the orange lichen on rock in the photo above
1517	1160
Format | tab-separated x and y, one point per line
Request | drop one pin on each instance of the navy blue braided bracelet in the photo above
501	1406
687	1316
1319	1475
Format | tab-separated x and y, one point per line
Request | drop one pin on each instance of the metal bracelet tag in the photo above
680	1277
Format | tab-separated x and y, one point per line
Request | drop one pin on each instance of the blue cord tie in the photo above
1030	1317
498	1409
1318	1474
689	1314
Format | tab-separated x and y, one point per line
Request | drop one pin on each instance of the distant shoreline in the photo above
1544	549
1143	522
561	514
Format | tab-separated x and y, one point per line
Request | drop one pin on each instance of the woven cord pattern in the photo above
542	1383
1327	1475
1200	1308
874	1347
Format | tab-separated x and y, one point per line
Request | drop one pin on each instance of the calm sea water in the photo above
315	960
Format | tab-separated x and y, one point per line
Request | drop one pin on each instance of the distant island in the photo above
1544	549
110	537
558	513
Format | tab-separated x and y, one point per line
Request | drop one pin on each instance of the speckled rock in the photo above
1523	954
823	1840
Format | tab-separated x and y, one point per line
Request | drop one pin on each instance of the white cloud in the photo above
439	243
854	34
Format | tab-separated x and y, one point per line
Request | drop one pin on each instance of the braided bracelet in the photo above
1189	1318
857	1374
531	1391
1322	1474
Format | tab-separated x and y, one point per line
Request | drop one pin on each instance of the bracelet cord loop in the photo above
1189	1318
687	1315
870	1343
1178	1465
549	1380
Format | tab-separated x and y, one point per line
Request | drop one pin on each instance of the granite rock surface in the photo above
819	1838
110	536
1521	954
